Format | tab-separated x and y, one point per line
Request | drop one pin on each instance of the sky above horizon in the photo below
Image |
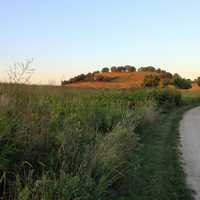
69	37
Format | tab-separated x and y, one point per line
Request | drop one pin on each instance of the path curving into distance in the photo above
190	139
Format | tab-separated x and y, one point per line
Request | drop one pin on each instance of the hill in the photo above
120	80
126	77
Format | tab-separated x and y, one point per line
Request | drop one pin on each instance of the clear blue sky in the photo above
68	37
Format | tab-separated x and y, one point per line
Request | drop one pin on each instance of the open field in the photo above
58	143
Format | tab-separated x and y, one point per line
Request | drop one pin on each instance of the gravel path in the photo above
190	138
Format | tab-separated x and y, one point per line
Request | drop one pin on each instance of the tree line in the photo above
175	80
98	76
162	78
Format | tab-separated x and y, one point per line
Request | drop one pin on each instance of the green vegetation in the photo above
97	76
191	98
151	81
182	83
105	69
57	143
165	79
126	68
198	81
147	69
157	77
100	77
158	173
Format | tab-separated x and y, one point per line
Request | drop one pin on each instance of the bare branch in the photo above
20	72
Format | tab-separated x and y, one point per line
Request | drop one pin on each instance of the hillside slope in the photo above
120	80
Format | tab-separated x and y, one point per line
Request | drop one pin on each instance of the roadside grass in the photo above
191	97
157	171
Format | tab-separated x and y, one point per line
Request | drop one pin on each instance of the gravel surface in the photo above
190	139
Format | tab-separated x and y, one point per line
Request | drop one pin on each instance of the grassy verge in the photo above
157	171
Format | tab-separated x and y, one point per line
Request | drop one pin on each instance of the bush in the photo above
103	78
182	83
113	69
95	72
166	75
151	81
147	69
63	83
75	79
198	81
165	82
105	69
130	68
121	69
168	98
89	77
127	68
79	78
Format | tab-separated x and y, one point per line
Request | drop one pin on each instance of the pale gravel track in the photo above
190	139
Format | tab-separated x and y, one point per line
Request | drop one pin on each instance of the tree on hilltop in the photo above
105	69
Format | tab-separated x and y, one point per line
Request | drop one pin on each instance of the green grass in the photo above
191	97
158	173
58	143
66	144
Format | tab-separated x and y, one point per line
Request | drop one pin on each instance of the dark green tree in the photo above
182	83
151	81
105	69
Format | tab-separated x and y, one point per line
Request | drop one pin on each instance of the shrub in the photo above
79	78
198	81
63	83
99	78
113	69
151	81
182	83
103	78
121	69
105	69
75	79
127	68
165	82
89	77
166	75
96	72
159	70
130	68
147	69
168	98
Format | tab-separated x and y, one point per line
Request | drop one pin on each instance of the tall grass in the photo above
69	144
